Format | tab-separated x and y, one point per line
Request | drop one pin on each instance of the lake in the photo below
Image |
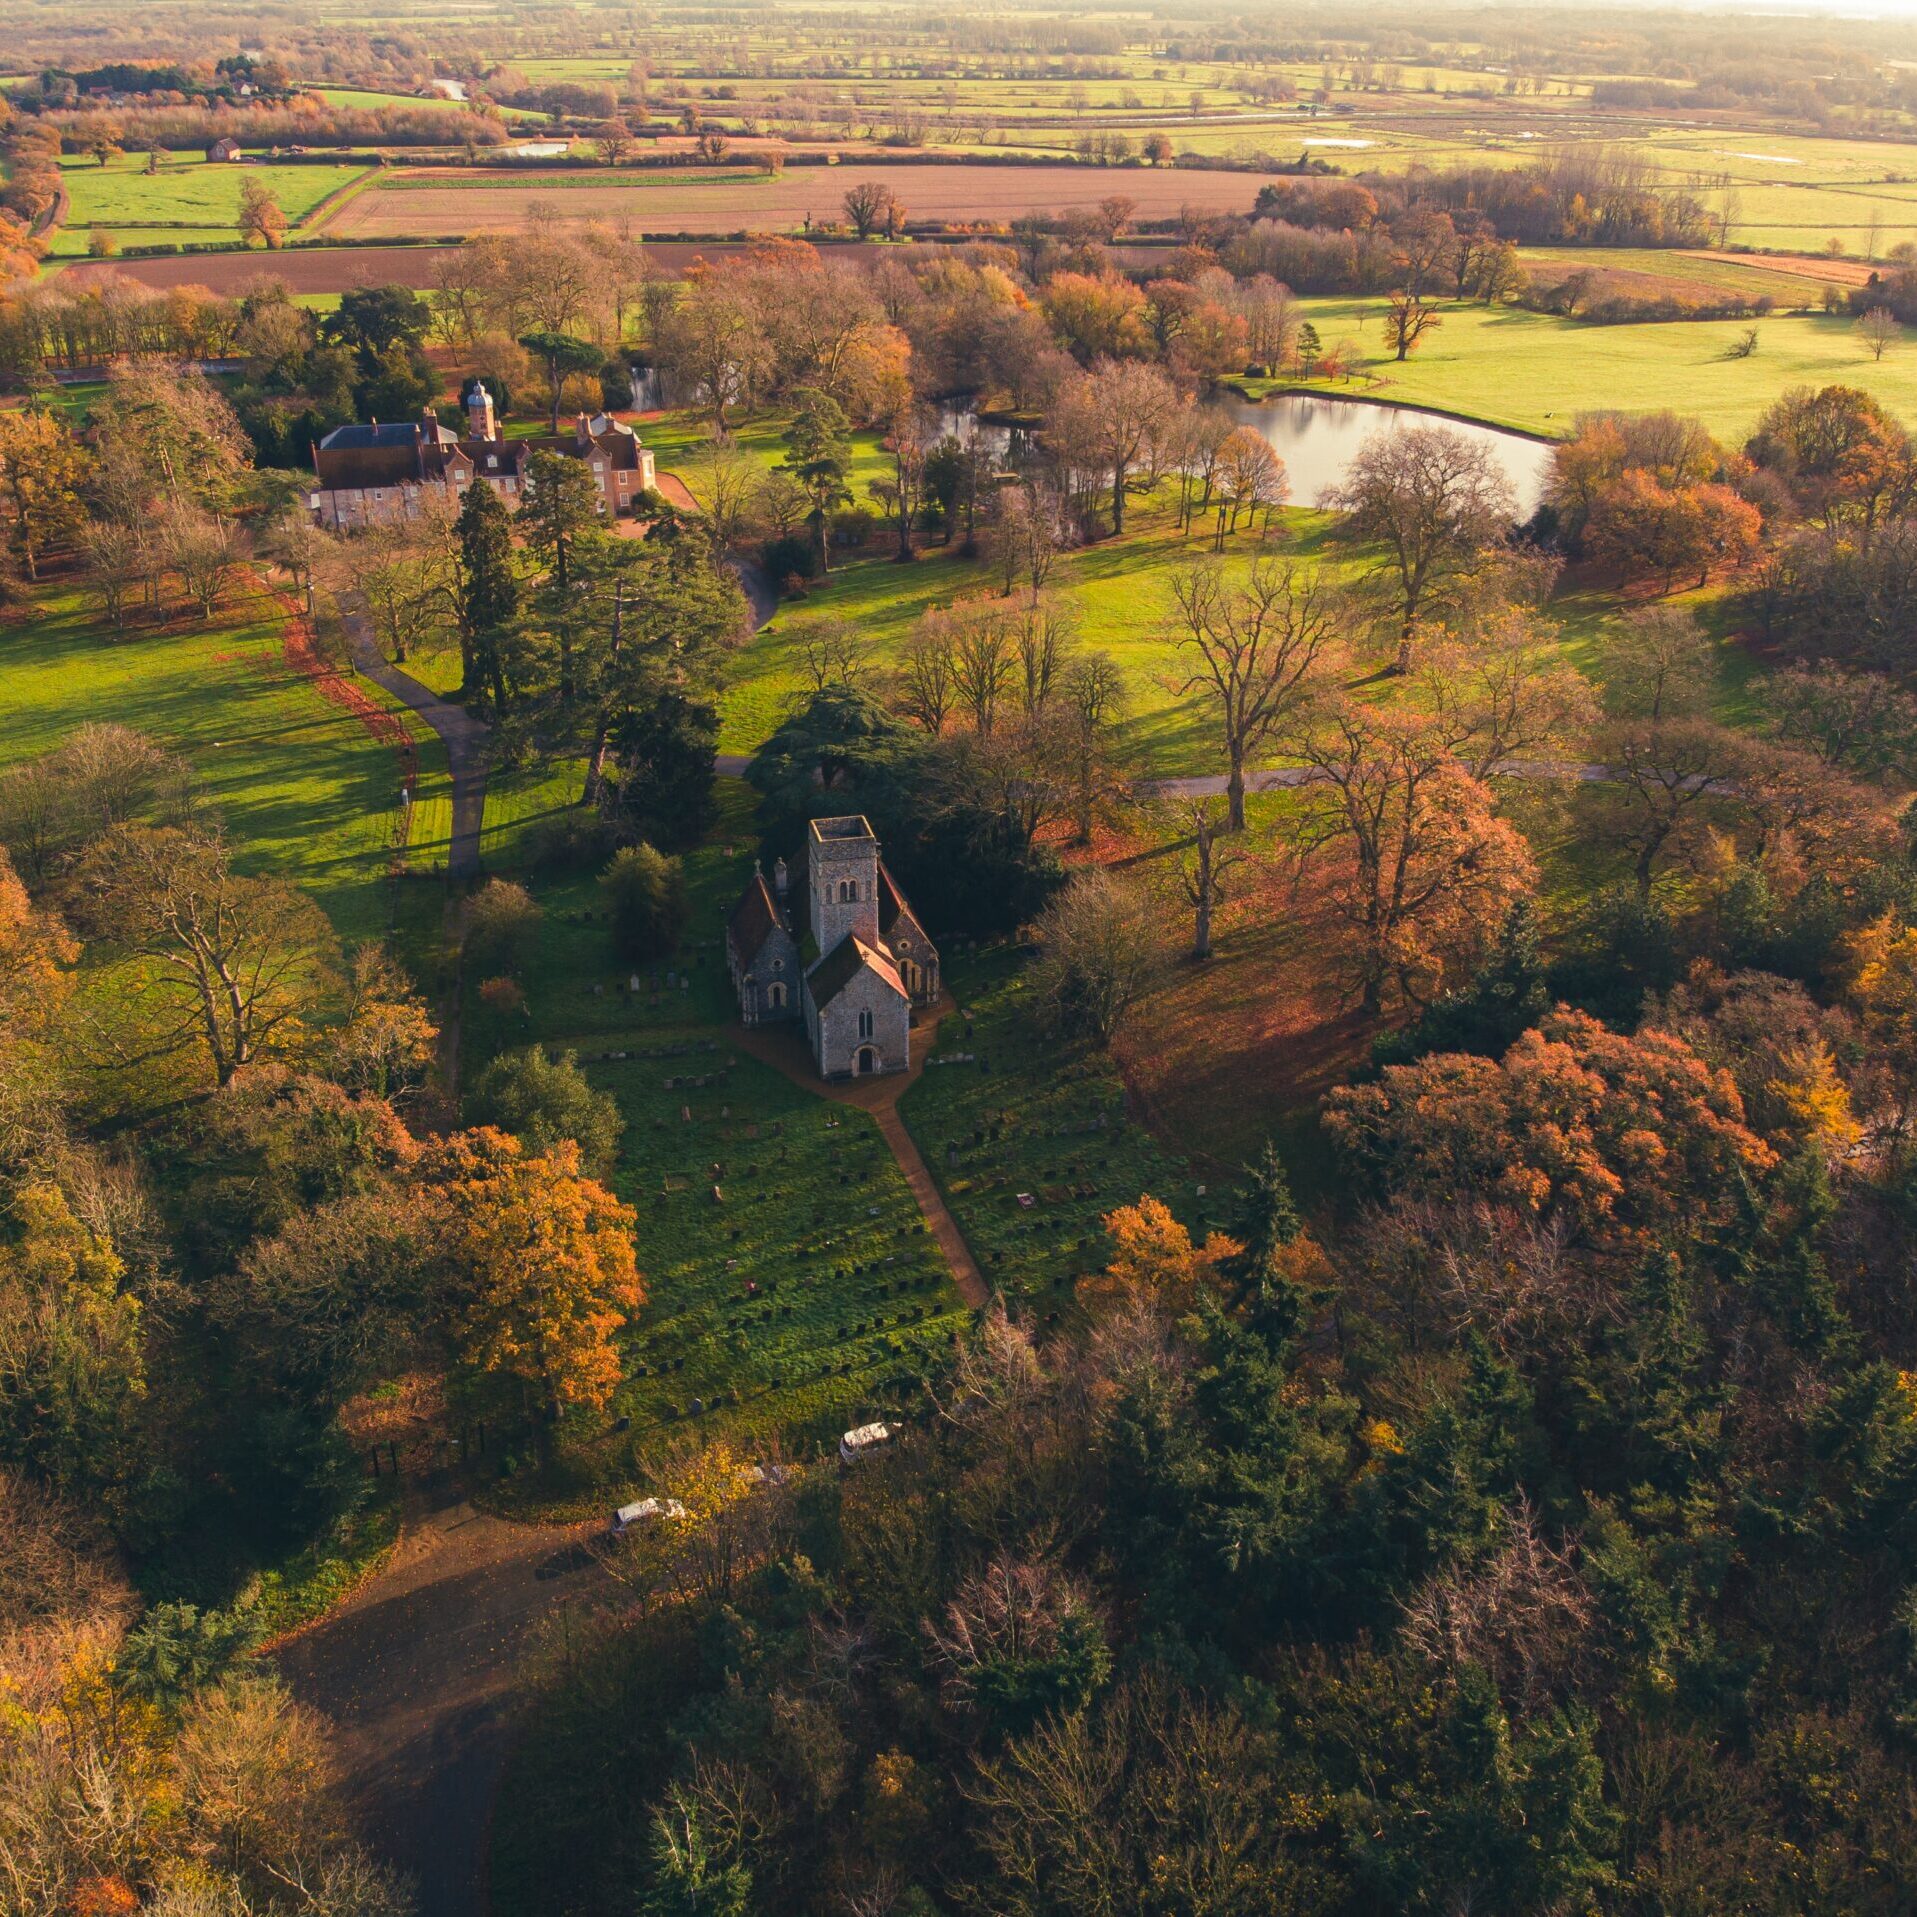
1318	439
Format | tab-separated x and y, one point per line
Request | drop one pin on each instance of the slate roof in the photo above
620	450
843	964
754	919
893	906
385	432
354	468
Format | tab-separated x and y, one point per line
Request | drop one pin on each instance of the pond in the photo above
1318	438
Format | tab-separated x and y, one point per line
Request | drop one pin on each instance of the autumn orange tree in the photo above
539	1266
1156	1261
1601	1132
1426	867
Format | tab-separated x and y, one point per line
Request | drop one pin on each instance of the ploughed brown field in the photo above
335	269
305	270
657	203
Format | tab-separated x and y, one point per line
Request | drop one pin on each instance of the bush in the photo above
501	924
855	526
544	1101
793	556
646	894
615	386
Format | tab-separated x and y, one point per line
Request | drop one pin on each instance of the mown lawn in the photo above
1120	590
1529	370
804	1296
306	793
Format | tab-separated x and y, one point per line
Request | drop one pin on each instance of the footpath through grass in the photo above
1032	1142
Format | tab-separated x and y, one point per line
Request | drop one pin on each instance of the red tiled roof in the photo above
843	964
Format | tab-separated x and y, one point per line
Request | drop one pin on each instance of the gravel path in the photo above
464	736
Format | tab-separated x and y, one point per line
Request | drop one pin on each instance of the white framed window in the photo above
865	1024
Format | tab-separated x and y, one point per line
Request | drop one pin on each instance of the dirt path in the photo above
416	1672
464	737
784	1048
958	1254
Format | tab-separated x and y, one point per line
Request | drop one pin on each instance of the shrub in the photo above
793	556
646	894
543	1101
502	996
615	386
501	923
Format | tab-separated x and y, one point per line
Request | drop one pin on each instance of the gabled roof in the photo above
840	966
620	450
754	919
494	456
893	907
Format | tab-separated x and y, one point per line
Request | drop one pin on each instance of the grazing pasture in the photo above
185	201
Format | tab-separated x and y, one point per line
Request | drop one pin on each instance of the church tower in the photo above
842	877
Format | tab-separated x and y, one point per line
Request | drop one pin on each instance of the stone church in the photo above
852	962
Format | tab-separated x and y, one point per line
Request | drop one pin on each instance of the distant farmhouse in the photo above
857	970
373	475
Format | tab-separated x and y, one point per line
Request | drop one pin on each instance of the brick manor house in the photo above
376	474
855	970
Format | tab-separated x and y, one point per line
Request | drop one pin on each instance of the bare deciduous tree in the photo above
233	958
1202	874
1438	502
1257	648
1098	955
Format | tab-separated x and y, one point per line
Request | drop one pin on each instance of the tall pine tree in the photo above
487	592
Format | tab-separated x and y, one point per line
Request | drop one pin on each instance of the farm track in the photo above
417	1672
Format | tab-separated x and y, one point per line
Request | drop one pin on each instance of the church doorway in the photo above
868	1059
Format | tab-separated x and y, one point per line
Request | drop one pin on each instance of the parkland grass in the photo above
305	792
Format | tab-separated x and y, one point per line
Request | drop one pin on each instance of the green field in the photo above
1529	370
185	201
1119	590
374	101
304	791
